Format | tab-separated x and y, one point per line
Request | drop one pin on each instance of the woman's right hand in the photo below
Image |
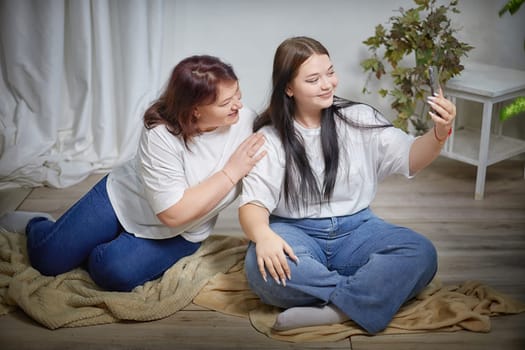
245	157
271	256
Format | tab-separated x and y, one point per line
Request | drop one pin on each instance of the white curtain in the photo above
75	79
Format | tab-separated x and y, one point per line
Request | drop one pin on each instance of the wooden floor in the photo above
476	240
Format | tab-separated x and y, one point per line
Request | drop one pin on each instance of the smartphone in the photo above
433	79
433	83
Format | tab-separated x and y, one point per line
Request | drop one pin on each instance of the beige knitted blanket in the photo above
72	299
214	278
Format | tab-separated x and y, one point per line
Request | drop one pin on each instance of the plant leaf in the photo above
516	107
512	6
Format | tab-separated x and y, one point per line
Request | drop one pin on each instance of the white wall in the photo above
498	41
247	32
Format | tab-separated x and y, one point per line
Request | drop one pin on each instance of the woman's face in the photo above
224	111
314	86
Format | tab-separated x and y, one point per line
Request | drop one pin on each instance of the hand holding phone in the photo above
434	83
433	80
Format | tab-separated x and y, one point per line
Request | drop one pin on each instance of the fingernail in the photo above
277	281
284	282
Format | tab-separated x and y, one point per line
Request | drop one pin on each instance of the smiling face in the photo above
314	85
223	111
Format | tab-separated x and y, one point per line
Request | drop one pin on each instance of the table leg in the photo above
484	143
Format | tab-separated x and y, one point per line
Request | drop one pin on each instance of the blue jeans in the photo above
363	265
90	235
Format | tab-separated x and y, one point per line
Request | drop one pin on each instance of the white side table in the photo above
489	85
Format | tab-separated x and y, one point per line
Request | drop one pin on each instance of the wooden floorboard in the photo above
11	198
476	240
187	329
506	334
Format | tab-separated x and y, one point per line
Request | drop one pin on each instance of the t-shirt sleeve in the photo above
389	148
262	186
393	152
162	168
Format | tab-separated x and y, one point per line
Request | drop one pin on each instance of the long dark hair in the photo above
193	82
300	185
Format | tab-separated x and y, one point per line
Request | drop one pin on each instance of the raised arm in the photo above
198	200
427	147
270	248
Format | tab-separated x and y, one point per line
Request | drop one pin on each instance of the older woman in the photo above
157	208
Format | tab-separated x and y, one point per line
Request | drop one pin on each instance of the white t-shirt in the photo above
163	169
366	156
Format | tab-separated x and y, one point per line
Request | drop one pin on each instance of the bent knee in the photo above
425	263
111	274
251	267
427	253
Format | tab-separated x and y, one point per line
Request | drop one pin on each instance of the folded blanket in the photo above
214	278
72	299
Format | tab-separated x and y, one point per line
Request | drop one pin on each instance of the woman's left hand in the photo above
443	113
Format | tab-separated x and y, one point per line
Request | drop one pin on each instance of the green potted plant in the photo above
518	105
418	38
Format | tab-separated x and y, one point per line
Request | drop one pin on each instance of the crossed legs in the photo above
357	266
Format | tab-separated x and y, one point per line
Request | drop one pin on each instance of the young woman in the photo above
305	206
196	145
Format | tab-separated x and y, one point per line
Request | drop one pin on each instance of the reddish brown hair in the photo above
193	83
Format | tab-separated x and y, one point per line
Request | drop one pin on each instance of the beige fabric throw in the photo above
214	278
72	299
441	308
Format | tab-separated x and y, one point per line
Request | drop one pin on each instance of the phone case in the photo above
433	79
